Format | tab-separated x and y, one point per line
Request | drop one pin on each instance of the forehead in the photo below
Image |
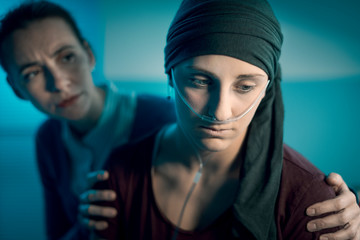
221	64
39	37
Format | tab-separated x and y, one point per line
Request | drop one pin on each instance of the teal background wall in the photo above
321	84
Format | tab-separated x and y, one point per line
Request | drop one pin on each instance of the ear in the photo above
16	91
90	53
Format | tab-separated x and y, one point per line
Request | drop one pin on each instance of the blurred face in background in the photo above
50	67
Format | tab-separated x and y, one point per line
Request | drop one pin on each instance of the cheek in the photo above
41	100
36	93
81	74
198	101
30	91
84	64
183	113
181	108
246	120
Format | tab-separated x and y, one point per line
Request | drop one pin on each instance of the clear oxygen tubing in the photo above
195	180
213	119
193	185
201	163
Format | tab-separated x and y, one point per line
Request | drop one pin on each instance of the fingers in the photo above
94	225
348	217
350	231
96	176
97	195
341	218
344	200
337	183
86	210
346	208
94	210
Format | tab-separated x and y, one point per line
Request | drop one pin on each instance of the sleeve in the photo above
58	225
315	190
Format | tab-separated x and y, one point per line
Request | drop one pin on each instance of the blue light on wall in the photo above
321	73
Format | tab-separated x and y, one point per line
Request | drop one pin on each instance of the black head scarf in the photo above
249	31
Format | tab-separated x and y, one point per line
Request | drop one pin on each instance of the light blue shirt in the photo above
112	130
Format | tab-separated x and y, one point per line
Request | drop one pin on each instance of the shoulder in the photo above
299	176
51	155
302	184
147	103
119	96
294	161
49	144
128	167
131	156
152	113
49	129
48	138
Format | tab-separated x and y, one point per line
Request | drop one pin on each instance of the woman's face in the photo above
220	87
50	67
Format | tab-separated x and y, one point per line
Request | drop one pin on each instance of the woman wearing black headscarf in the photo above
222	170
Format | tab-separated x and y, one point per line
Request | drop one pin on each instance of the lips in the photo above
68	102
215	128
215	131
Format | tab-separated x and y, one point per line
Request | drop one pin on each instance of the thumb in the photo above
337	183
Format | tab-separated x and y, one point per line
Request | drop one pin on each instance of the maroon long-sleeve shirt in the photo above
302	184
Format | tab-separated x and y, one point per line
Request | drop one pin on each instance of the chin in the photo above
70	115
215	144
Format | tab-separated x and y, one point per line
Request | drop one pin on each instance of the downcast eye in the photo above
243	88
69	58
200	82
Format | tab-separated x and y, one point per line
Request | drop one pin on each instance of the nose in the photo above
220	105
55	79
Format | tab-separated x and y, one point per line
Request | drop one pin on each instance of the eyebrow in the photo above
24	66
54	54
239	77
249	76
65	47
